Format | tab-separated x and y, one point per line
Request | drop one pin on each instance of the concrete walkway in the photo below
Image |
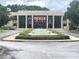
76	34
10	32
73	37
12	37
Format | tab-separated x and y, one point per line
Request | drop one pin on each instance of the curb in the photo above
18	40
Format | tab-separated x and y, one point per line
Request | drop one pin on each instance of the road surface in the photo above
42	50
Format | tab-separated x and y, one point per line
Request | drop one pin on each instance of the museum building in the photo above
38	19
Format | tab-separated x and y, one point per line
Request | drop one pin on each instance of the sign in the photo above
39	18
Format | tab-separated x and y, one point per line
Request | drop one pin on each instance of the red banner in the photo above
39	18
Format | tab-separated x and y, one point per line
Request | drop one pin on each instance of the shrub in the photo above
7	28
42	37
24	35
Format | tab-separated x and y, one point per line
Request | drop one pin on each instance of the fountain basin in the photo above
41	32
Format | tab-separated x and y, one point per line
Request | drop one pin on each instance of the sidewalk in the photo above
10	33
73	35
12	37
5	34
76	34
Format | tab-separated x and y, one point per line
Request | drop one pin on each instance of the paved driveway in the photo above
43	50
73	33
10	32
4	34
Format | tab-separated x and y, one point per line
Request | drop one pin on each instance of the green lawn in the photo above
2	30
76	30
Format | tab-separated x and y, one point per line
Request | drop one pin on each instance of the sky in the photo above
51	4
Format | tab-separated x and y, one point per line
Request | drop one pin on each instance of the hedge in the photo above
24	35
43	37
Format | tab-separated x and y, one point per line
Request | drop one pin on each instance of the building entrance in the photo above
39	21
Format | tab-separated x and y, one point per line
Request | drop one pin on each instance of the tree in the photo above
3	16
73	13
15	8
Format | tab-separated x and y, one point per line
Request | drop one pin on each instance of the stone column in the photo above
32	21
61	22
53	22
26	21
47	22
67	24
17	22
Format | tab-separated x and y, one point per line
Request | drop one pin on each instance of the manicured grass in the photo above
2	30
76	30
24	35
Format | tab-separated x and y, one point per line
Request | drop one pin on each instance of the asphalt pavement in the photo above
40	50
43	50
76	34
8	33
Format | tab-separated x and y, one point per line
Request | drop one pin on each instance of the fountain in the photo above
41	32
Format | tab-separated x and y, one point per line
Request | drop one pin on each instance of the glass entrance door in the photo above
39	21
39	24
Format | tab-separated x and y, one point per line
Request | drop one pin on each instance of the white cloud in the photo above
38	3
51	4
13	2
59	4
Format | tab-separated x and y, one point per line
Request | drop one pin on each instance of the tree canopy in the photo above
3	15
73	12
15	8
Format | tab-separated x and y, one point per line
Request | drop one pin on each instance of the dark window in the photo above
57	22
29	21
22	21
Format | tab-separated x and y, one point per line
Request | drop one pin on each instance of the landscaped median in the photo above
25	35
